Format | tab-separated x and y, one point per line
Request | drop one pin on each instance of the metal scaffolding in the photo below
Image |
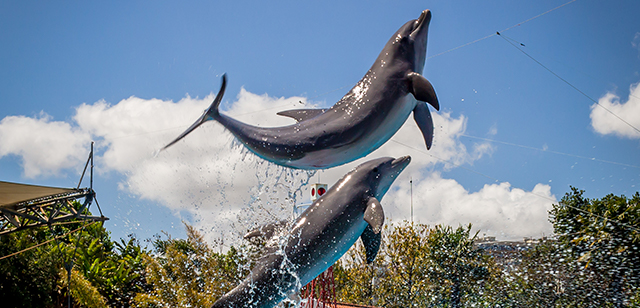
25	206
47	210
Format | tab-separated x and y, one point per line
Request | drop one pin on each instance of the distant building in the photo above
507	254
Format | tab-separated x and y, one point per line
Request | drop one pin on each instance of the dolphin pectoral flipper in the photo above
422	89
422	116
319	236
374	215
364	119
301	114
371	242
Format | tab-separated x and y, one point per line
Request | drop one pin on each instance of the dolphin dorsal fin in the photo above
371	242
267	230
422	89
301	114
374	215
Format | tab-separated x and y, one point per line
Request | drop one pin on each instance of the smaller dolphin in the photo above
362	121
349	210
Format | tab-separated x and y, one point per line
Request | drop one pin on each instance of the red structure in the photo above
320	292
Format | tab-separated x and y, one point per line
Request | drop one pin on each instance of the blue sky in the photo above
132	75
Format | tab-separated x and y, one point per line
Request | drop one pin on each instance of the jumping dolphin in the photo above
320	236
363	120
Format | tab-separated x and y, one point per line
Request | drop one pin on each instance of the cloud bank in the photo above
606	123
229	190
497	209
45	147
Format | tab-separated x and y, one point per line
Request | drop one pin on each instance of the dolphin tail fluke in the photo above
422	116
212	111
209	114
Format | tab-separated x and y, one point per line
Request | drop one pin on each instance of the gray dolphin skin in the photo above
320	236
363	120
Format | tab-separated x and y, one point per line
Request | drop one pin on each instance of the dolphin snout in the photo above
425	17
421	26
401	162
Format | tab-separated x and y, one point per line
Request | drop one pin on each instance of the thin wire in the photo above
43	243
464	45
551	151
533	193
534	17
567	82
350	85
509	28
446	161
566	65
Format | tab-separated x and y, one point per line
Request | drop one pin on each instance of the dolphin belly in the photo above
337	244
375	134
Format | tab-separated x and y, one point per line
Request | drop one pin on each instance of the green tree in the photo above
116	269
103	273
456	268
603	237
356	281
188	273
544	278
28	279
417	266
84	293
405	280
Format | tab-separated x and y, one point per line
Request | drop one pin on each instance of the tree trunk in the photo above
455	292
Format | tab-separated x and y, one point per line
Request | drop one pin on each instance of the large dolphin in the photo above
320	236
363	120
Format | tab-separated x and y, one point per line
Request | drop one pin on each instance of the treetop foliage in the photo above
593	260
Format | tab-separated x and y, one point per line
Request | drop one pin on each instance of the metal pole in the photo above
69	266
91	180
411	182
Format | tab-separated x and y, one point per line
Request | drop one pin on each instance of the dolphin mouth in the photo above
422	22
401	163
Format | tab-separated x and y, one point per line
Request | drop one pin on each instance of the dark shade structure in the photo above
25	206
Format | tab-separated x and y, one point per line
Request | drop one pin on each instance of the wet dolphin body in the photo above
363	120
320	236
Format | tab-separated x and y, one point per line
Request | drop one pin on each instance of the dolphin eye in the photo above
375	170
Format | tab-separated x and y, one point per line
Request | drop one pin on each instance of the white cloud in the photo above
636	42
206	173
493	130
45	147
228	189
497	209
606	123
